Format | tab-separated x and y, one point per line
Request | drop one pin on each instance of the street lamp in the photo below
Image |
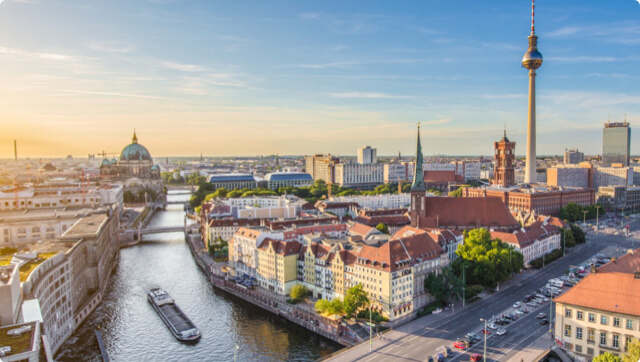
597	212
584	219
564	245
370	329
464	283
484	354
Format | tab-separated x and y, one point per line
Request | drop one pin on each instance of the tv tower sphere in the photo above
532	58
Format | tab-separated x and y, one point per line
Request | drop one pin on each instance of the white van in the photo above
556	283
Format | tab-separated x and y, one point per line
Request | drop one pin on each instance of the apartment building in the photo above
374	202
44	197
359	175
533	241
599	314
277	265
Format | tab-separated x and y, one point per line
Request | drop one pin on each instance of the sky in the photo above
246	78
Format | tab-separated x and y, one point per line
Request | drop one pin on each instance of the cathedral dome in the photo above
135	151
105	162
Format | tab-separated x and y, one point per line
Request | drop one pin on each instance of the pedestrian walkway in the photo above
535	350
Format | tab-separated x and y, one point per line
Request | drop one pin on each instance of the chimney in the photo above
636	275
613	259
593	268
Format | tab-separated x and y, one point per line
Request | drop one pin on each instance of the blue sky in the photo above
301	77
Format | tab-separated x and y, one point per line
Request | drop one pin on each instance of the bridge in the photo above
170	229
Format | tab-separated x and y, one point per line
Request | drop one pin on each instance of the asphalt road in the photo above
427	341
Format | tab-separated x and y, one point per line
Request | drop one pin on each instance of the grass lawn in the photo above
18	344
27	268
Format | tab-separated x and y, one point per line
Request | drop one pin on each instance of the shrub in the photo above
473	290
429	308
537	263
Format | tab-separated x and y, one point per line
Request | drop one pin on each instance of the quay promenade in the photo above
302	315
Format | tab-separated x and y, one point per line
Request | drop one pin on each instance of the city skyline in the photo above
290	78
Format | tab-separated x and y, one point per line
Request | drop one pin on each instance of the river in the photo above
132	331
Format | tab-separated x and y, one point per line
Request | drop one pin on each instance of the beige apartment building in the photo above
277	265
600	314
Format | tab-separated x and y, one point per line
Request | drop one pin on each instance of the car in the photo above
501	332
446	351
526	298
486	331
459	345
544	322
525	310
473	336
492	326
519	312
532	304
468	341
429	359
439	357
513	316
516	305
476	357
541	315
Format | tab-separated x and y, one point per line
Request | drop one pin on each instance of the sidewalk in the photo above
534	351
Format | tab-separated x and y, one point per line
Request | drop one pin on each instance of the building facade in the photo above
616	143
614	176
532	241
397	172
373	202
366	155
288	179
359	175
568	177
504	153
321	167
572	156
233	181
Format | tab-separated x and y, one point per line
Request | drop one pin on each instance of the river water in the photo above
132	331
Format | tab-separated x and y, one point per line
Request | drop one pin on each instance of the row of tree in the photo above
355	299
174	178
574	212
139	197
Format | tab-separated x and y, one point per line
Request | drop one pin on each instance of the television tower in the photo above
532	60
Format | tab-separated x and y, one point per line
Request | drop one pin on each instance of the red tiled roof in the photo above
280	247
466	211
629	263
389	220
399	253
360	229
527	235
383	212
612	292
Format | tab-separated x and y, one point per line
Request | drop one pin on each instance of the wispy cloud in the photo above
344	65
622	32
112	47
350	23
437	121
36	55
71	92
183	67
588	59
370	95
503	96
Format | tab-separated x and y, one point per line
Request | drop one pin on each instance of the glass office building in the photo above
616	143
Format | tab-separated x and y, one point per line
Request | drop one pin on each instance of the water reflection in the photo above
132	330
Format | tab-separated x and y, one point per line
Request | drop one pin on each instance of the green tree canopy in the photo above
445	286
607	357
633	351
354	299
383	228
298	292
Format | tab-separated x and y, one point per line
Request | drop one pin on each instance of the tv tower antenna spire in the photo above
533	8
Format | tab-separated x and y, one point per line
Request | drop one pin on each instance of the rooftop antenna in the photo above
533	7
505	129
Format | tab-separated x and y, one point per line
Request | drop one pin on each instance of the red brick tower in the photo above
505	157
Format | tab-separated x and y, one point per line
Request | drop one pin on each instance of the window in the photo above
579	315
616	341
567	313
603	319
578	348
616	322
590	351
627	342
567	330
603	338
629	324
591	335
592	317
579	332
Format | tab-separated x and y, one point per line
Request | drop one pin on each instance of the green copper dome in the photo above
135	151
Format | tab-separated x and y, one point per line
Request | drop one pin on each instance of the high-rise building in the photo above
504	174
359	175
532	60
367	154
573	156
616	143
321	167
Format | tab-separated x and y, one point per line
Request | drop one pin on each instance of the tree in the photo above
382	228
633	351
578	234
445	286
568	235
354	299
322	305
298	292
607	357
336	306
571	212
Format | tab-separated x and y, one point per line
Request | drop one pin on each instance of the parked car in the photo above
439	357
486	331
516	305
459	345
446	351
429	359
532	304
526	298
519	312
476	357
501	332
544	321
473	336
541	315
525	310
492	326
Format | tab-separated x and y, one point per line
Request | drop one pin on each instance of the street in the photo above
417	340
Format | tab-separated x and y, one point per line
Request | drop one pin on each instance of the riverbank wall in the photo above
333	330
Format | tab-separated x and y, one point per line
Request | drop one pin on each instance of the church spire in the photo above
135	138
418	174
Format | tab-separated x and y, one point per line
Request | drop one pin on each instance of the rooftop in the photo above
86	227
629	263
19	344
28	267
612	292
